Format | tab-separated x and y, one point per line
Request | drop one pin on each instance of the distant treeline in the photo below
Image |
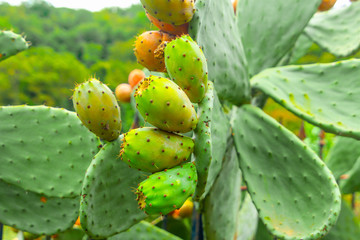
68	46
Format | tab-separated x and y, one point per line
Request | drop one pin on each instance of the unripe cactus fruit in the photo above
176	12
166	191
135	77
153	150
123	92
326	5
165	105
186	65
149	49
167	27
97	108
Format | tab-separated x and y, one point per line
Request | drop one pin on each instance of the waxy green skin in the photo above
153	150
11	44
98	109
165	105
186	64
176	12
166	191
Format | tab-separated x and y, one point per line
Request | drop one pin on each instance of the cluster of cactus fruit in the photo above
213	64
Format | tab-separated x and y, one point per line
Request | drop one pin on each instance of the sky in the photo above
98	5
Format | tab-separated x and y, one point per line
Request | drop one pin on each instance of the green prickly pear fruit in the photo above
97	108
166	191
149	49
176	12
10	44
165	105
186	65
153	150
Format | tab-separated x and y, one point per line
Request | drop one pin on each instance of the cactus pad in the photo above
108	204
222	203
166	191
247	220
343	155
302	90
350	181
176	12
220	41
211	135
337	31
153	150
165	105
295	193
44	150
11	44
270	28
97	108
36	213
187	67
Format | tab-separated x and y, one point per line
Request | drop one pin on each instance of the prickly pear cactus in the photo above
176	12
166	191
98	109
187	67
153	150
165	105
11	44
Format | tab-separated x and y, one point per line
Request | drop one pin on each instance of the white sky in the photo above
94	5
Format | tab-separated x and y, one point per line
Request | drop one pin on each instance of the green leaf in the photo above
322	94
295	193
270	28
337	31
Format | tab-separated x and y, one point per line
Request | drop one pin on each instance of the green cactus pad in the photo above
211	135
270	28
11	44
347	227
144	231
176	12
262	233
300	48
108	204
187	67
295	193
35	213
342	155
165	105
166	191
44	150
222	203
153	150
223	49
247	220
337	31
302	90
350	181
97	108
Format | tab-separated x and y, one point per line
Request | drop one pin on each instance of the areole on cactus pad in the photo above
153	150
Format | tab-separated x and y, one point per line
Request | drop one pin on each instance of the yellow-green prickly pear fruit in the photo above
165	105
187	67
176	12
166	191
153	150
97	108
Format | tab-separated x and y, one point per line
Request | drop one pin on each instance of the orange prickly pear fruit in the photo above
149	49
167	27
326	5
234	5
123	92
135	77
